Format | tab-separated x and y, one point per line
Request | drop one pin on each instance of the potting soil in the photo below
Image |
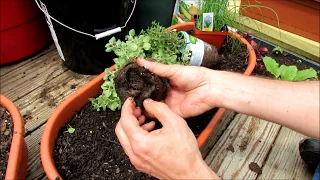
138	82
5	139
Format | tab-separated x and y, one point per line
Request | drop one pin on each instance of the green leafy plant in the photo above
288	73
277	50
156	42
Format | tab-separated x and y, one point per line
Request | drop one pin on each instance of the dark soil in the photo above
255	168
233	56
261	70
138	82
93	150
5	139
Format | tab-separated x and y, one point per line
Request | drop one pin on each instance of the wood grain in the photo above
34	170
42	101
218	131
284	161
8	68
25	79
246	140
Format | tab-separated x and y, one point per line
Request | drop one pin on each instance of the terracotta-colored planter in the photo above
18	156
216	38
69	107
296	16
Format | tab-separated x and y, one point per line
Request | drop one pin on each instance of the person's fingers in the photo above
129	122
141	120
123	139
128	107
161	112
149	126
167	71
137	112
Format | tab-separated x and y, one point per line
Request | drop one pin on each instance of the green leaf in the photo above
146	39
288	73
71	130
118	43
272	66
119	53
112	40
146	46
306	74
132	32
278	48
113	106
105	77
107	94
133	47
109	49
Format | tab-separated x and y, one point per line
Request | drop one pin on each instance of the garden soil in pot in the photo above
93	151
6	138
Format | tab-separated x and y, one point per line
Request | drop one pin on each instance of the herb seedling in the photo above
71	130
277	50
288	73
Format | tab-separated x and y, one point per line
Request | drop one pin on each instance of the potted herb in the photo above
14	151
79	140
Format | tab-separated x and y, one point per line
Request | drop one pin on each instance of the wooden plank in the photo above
246	140
38	105
25	79
284	161
8	68
34	170
218	131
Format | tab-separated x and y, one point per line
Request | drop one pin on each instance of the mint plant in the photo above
288	73
156	42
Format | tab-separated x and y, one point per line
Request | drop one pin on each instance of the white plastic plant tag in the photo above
194	49
207	22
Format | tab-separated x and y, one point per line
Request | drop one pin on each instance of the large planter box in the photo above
70	106
300	17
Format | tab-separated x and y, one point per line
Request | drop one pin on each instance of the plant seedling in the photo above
277	50
71	130
288	73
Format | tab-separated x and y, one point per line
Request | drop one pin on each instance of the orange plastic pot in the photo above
18	156
70	106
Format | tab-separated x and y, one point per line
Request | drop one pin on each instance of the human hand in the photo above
167	153
191	87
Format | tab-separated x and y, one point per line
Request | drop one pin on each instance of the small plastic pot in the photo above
18	157
70	106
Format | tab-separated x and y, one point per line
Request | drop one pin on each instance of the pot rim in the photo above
18	147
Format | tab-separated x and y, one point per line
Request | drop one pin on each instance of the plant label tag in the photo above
207	21
194	49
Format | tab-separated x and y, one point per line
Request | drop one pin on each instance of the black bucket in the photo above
147	11
81	20
82	53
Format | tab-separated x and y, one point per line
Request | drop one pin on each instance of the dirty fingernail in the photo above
147	101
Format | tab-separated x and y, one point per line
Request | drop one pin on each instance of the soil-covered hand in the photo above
190	87
167	153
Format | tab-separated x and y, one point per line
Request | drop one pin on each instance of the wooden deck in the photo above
39	84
